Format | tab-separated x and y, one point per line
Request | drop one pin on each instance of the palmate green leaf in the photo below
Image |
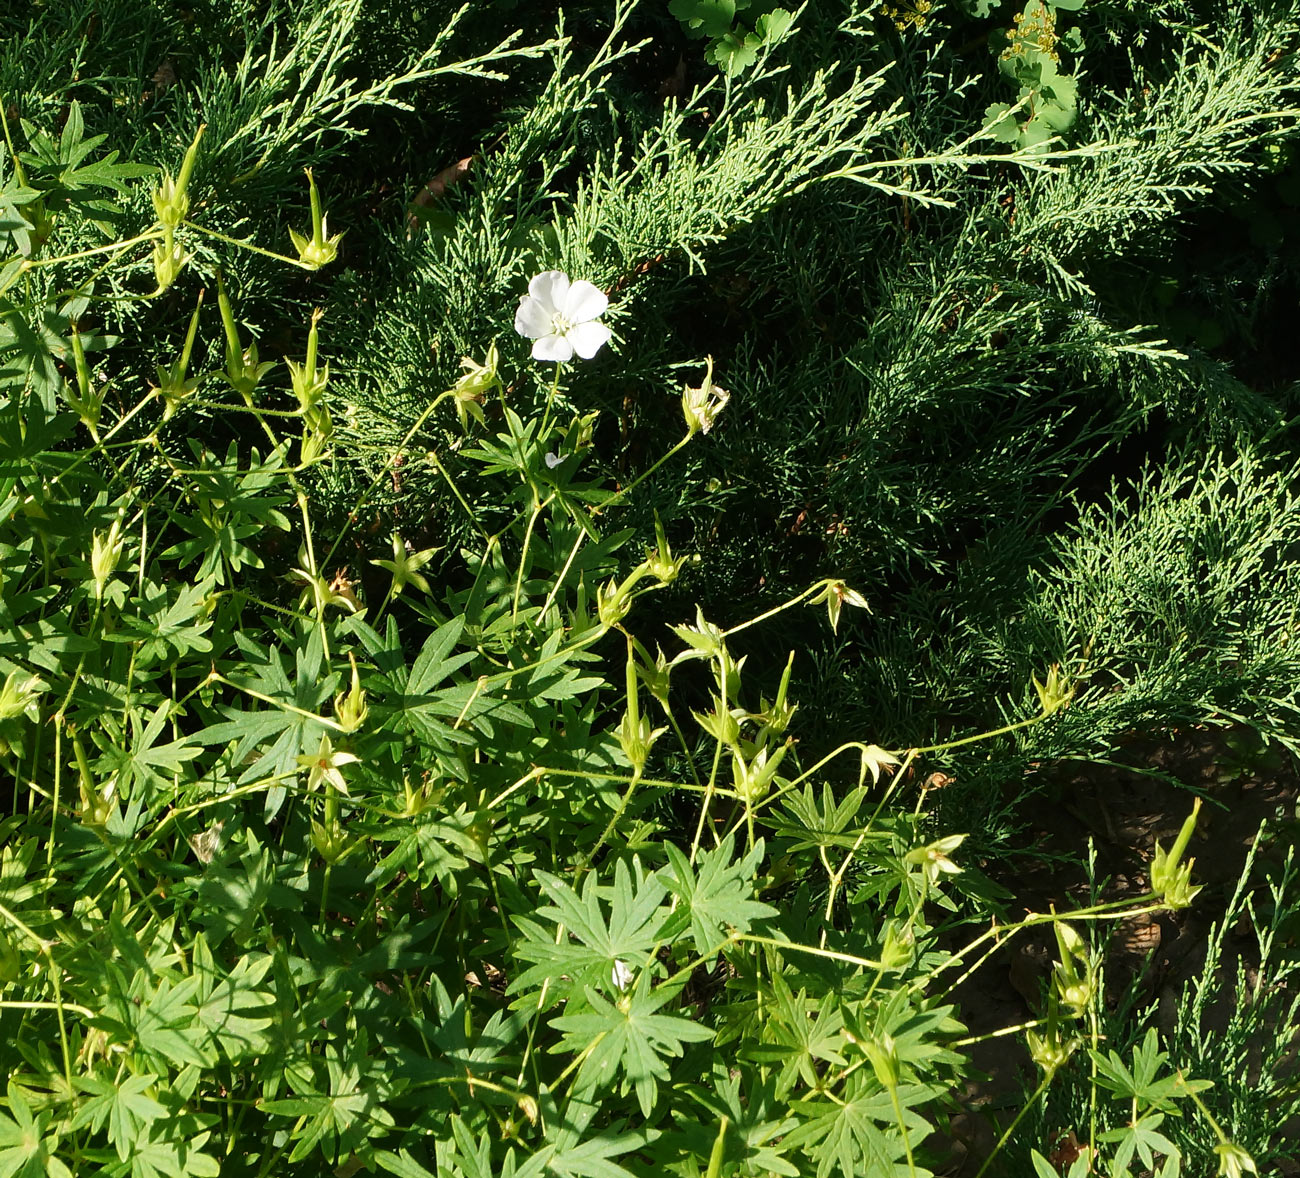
34	341
588	1159
138	759
234	1009
231	899
404	1165
293	733
15	229
25	1151
635	926
342	1118
705	18
1140	1136
168	624
1144	1082
61	161
169	1158
800	1033
628	1041
735	52
717	899
123	1107
467	1155
167	1028
857	1133
234	500
757	1117
811	824
445	718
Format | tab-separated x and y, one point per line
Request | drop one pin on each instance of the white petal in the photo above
553	347
551	287
584	302
532	319
588	338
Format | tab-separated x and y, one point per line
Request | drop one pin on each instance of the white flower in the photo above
621	975
560	317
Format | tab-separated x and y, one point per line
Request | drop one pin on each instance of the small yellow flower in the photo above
933	858
325	766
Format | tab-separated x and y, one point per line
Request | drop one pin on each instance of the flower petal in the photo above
588	338
583	302
532	319
550	287
553	347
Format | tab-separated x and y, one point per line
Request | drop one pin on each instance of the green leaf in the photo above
735	52
705	18
174	1159
23	1152
774	26
717	899
122	1106
634	928
628	1039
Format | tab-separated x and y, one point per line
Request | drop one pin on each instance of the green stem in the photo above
248	245
1020	1116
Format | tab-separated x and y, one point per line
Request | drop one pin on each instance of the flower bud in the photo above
1053	695
659	561
1171	879
328	839
96	805
86	402
19	700
704	639
105	553
351	709
654	672
175	385
933	858
319	250
171	199
477	383
613	603
720	723
243	372
528	1106
776	716
1050	1052
883	1054
1233	1160
169	258
1075	975
898	948
18	697
307	380
751	779
634	732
